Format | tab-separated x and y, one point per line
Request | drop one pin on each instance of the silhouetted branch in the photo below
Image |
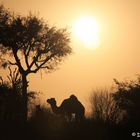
2	82
43	63
26	56
11	63
13	76
17	60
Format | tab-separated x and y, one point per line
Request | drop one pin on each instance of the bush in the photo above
104	107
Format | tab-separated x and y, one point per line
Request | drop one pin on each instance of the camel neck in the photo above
55	109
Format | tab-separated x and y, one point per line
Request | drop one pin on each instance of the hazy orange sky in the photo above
118	55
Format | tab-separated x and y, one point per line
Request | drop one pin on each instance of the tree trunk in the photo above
24	97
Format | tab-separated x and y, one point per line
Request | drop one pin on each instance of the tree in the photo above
30	38
127	97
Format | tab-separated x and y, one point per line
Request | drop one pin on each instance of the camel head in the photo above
51	101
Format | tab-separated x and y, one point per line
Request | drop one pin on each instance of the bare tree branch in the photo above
11	63
18	61
41	65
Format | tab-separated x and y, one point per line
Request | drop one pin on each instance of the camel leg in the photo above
69	117
79	117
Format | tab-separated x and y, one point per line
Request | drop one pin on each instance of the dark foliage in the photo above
10	97
127	97
11	100
44	125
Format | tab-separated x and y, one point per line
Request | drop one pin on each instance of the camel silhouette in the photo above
68	107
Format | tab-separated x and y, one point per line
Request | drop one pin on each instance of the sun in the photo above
86	30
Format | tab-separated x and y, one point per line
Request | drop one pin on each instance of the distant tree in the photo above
104	107
127	97
33	44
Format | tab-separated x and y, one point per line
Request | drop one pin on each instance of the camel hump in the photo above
73	105
73	98
69	102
